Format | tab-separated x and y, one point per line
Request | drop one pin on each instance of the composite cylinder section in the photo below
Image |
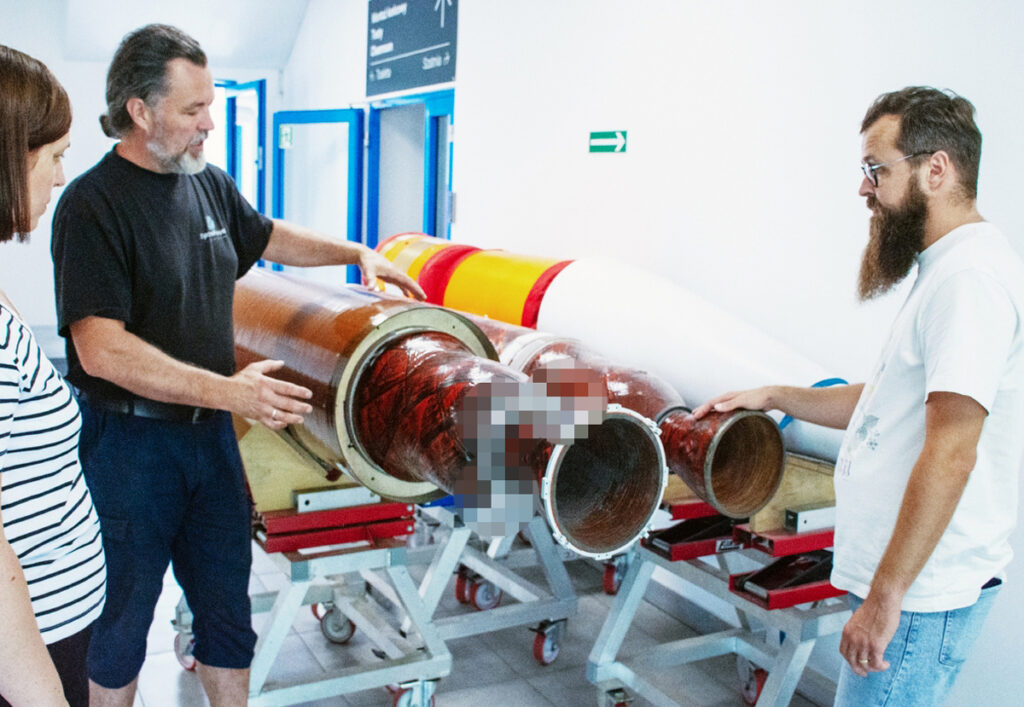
642	320
732	460
347	346
528	350
493	283
408	401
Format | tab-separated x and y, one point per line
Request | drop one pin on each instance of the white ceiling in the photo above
236	33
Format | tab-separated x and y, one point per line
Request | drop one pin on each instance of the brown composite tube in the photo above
408	402
407	397
329	338
733	460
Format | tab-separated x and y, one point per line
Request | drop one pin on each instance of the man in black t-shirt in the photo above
147	246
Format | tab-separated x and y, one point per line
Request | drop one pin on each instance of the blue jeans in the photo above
924	657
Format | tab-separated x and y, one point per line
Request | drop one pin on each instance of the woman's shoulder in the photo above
8	321
15	338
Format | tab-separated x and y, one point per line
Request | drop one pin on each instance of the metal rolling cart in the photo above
800	615
485	577
350	565
412	657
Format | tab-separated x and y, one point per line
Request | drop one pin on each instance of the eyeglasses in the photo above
871	169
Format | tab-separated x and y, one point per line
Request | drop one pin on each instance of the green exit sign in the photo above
608	141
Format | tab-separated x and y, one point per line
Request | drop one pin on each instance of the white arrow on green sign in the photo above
608	141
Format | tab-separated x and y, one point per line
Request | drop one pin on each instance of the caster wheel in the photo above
484	595
462	588
613	573
752	680
546	647
336	627
183	645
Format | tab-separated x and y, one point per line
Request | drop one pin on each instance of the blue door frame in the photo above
232	132
354	118
438	105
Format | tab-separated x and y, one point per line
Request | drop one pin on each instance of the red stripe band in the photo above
531	307
437	271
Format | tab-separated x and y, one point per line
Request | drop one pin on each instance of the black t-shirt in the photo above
159	252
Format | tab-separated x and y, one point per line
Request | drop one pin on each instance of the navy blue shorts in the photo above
168	492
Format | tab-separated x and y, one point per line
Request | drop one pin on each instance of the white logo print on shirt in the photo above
211	230
863	431
866	434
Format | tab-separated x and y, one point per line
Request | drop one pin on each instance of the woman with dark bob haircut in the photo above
52	571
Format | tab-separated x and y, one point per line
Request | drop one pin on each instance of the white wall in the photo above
327	68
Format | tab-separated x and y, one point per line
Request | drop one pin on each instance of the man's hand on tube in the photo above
375	266
274	402
754	399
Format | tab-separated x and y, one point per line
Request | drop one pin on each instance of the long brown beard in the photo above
896	237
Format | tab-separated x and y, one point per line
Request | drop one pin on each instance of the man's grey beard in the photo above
896	238
181	163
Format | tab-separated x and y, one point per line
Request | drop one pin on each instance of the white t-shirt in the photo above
961	330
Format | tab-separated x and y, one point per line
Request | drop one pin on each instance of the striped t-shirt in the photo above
48	516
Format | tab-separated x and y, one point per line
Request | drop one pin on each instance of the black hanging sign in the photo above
410	44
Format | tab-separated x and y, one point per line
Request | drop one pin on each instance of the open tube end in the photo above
504	424
745	466
601	493
732	460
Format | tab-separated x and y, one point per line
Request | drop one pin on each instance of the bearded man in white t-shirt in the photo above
927	476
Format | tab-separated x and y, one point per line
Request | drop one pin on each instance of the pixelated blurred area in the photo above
507	427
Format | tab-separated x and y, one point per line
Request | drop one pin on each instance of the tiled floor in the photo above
493	670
